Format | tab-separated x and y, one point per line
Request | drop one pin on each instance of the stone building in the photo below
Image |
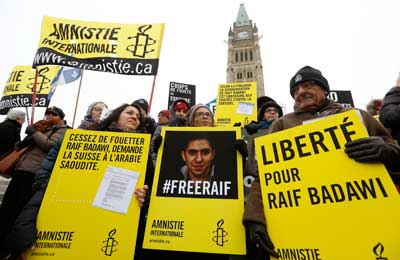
244	57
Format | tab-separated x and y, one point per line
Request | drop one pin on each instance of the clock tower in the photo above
244	57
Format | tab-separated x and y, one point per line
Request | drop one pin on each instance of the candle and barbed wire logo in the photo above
42	80
142	41
110	243
220	234
378	251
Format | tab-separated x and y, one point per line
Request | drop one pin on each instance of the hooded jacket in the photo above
88	119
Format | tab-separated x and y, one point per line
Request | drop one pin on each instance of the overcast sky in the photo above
355	43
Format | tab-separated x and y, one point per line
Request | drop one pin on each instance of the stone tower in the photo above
244	57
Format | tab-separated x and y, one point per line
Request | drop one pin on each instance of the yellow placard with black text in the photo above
197	199
236	103
89	210
19	87
130	49
319	203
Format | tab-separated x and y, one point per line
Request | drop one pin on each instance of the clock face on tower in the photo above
242	35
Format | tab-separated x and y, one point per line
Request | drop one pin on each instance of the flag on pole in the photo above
64	76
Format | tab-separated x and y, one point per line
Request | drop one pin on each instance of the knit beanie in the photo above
192	111
267	105
165	113
308	73
181	105
143	104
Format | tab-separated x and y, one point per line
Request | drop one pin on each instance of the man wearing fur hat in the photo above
310	88
10	130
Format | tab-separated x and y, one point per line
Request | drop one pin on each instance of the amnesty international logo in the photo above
378	251
220	234
110	243
141	42
42	81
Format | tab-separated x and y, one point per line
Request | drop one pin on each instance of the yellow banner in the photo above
132	49
19	87
89	211
319	203
236	103
197	179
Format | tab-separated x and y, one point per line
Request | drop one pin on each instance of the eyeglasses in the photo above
202	114
98	109
270	110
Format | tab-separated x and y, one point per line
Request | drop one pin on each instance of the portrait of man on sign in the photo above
198	164
198	155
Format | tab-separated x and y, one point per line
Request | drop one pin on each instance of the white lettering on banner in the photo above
182	187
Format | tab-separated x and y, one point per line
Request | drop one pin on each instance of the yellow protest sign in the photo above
197	179
236	103
89	211
19	87
319	203
131	49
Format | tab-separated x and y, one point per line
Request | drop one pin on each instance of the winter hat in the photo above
142	103
192	111
267	105
56	110
308	73
181	105
165	113
262	100
14	114
91	106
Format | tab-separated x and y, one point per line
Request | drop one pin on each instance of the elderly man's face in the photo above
309	95
198	157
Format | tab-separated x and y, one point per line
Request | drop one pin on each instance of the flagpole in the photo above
151	95
27	115
77	98
34	96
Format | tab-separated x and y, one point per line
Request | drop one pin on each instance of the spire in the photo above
242	18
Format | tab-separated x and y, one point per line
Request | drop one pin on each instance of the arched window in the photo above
236	57
251	54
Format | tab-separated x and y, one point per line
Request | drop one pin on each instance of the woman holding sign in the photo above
125	118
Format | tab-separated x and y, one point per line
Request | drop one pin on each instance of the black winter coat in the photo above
10	131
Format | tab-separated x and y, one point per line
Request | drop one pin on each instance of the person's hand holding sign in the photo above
140	194
259	236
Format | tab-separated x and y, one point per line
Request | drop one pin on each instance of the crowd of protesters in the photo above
309	89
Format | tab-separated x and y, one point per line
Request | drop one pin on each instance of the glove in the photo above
30	130
369	149
237	124
241	147
157	143
259	236
150	125
252	128
28	141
